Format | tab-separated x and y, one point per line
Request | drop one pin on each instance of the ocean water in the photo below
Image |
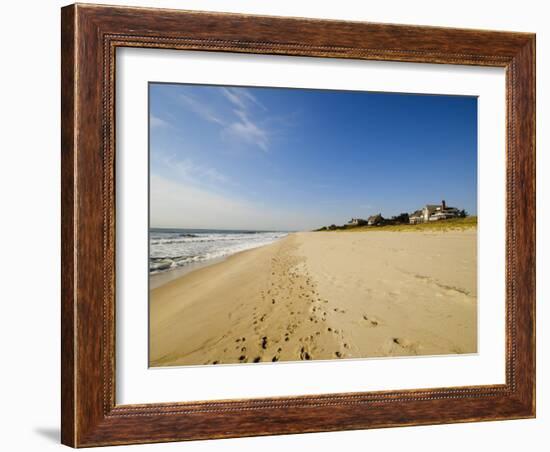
175	248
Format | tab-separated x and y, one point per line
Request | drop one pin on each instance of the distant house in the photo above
444	212
434	212
428	211
375	220
357	222
416	217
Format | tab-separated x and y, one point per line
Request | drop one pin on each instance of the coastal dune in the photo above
323	295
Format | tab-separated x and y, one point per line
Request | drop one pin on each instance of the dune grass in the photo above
455	224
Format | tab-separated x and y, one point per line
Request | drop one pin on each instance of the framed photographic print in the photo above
281	225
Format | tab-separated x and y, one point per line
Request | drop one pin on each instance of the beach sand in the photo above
323	295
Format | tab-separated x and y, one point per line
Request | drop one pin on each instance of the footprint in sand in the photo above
409	346
304	354
371	321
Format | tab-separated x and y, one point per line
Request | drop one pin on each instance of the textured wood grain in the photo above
90	36
68	310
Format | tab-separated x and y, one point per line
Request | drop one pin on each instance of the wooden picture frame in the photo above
90	36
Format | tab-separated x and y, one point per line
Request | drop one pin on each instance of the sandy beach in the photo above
323	295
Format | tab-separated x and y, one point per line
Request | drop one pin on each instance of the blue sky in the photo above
294	159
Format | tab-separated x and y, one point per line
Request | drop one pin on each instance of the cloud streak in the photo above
236	120
157	122
187	170
201	109
248	131
241	98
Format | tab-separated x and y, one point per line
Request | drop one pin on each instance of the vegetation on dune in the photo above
452	224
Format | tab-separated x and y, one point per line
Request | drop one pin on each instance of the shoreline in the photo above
164	277
161	278
318	295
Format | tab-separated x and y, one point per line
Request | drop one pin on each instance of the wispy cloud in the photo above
236	120
187	170
157	122
242	98
202	109
247	130
232	96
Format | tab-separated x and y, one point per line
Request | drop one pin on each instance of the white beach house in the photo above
434	212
